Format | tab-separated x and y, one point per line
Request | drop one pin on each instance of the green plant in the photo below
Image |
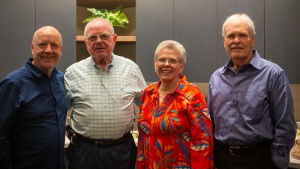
115	16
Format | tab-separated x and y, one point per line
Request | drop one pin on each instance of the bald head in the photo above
47	30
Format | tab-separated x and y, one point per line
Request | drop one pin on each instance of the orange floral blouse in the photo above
177	133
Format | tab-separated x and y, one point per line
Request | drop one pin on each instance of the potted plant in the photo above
116	16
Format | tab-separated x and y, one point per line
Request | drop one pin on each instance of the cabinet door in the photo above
61	15
16	31
282	36
154	23
195	26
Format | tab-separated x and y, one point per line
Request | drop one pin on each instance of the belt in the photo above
242	150
104	142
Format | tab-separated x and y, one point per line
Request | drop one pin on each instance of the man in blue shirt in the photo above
250	103
33	108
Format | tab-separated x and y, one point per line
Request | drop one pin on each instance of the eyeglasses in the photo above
94	38
163	61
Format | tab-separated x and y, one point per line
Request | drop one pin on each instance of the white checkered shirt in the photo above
102	101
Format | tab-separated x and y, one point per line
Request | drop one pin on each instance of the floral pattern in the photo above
177	133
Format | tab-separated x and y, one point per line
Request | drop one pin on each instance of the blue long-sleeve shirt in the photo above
32	119
252	105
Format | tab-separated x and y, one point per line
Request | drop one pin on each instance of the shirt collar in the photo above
108	67
35	70
255	62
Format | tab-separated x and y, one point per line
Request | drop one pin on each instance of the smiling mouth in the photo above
165	71
48	57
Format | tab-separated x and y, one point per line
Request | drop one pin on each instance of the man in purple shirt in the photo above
250	103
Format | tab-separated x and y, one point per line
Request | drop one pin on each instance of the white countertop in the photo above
294	163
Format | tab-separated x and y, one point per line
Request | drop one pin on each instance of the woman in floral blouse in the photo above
175	129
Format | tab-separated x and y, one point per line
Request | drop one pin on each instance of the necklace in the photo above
160	91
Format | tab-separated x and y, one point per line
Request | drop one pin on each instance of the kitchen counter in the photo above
294	163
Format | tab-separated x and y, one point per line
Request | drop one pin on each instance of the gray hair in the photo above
171	44
99	20
239	16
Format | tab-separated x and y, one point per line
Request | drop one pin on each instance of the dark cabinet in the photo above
197	24
62	15
154	23
20	20
16	31
282	36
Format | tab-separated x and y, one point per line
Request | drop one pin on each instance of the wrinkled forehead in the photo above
98	26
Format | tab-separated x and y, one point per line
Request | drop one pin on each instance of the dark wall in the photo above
19	21
197	25
16	30
282	34
154	23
